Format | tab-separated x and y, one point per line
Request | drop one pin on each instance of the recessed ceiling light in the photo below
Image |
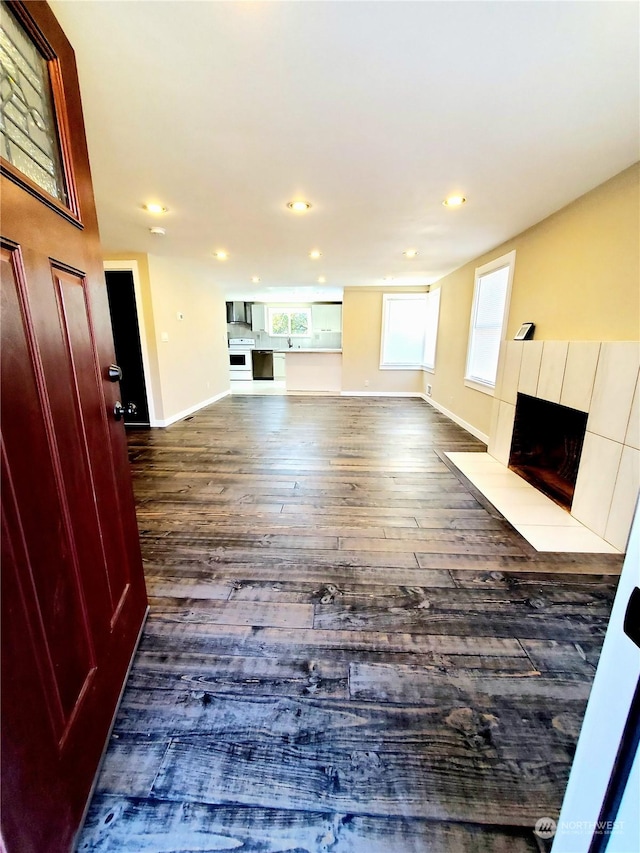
221	255
321	280
454	201
299	206
315	254
155	208
255	279
410	253
159	232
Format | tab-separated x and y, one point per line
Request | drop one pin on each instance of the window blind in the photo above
403	330
486	330
432	314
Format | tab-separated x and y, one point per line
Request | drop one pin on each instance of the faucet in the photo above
289	344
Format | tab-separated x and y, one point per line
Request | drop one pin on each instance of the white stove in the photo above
240	365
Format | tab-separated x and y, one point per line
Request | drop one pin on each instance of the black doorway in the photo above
126	339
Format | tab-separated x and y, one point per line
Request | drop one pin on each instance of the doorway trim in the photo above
132	267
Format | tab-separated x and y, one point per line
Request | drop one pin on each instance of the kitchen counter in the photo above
297	350
314	370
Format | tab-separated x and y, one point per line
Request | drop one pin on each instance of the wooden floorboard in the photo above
348	650
167	826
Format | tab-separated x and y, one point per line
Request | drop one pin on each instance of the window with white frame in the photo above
488	319
409	330
289	322
432	315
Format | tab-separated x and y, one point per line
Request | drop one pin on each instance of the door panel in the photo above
92	413
24	781
57	603
73	595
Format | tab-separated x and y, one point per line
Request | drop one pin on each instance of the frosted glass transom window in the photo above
28	132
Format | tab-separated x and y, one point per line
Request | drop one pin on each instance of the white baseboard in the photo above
380	394
483	437
171	420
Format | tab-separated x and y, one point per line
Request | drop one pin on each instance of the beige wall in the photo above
193	365
361	331
577	276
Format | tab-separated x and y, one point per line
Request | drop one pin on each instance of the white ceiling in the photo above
372	111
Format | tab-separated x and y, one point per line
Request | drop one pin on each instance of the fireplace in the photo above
546	446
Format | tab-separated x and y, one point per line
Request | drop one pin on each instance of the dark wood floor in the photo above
348	650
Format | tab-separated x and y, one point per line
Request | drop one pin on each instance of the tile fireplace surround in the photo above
602	380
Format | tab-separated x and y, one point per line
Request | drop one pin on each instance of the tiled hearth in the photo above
543	523
600	379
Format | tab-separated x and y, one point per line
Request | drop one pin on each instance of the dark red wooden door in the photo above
73	595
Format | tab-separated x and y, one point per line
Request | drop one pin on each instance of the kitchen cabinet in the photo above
326	318
279	365
258	317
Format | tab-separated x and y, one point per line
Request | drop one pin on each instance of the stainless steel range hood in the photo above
239	312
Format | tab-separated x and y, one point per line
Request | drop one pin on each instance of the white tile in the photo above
504	479
552	364
613	390
505	497
573	539
502	357
597	476
259	387
633	430
493	428
625	495
530	367
579	374
474	461
501	445
511	375
551	515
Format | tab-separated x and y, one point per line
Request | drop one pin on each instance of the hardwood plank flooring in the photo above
347	650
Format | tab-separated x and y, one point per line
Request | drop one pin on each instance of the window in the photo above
403	325
289	322
488	317
28	134
409	330
431	329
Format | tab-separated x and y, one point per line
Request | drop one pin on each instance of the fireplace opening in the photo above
547	445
